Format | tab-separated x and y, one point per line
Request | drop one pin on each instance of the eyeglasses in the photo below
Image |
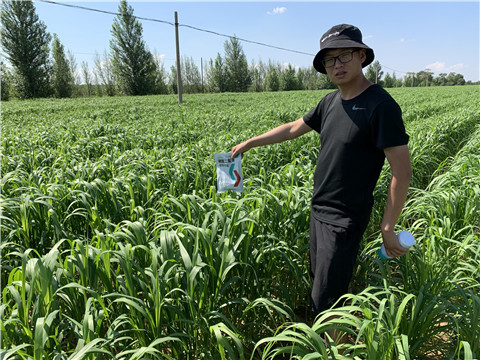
343	58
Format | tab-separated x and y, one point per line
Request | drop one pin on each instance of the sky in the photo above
406	36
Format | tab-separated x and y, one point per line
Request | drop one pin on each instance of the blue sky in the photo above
406	36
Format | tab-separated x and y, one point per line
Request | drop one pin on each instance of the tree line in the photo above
130	68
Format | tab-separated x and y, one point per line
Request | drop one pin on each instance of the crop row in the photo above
427	302
115	241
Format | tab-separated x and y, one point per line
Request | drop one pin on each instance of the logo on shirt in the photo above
355	108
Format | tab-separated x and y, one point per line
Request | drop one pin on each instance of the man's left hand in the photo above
392	246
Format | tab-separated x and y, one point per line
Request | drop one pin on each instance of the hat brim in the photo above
317	61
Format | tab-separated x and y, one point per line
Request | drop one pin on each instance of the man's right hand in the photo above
240	149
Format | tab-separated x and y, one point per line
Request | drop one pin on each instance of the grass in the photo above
115	243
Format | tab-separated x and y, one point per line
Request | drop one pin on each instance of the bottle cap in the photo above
406	239
382	253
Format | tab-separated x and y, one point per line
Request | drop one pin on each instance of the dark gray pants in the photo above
333	252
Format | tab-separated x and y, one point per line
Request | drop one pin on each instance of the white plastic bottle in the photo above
405	239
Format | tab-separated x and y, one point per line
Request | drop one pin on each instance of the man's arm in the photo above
399	160
281	133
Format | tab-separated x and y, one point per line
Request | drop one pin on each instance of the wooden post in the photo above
179	73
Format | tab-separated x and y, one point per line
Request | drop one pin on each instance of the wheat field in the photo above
116	245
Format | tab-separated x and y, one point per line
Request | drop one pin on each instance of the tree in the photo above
374	72
218	75
410	79
87	78
62	78
104	74
459	79
324	82
238	76
301	76
26	44
454	79
191	79
425	78
428	77
5	82
388	81
173	83
309	78
257	81
288	80
132	62
397	82
160	75
258	74
441	80
96	81
72	62
262	74
272	82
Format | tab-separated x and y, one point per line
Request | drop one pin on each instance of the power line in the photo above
172	24
403	72
193	28
245	40
105	12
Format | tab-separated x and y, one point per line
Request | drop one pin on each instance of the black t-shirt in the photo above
353	134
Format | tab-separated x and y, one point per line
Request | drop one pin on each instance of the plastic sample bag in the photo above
229	172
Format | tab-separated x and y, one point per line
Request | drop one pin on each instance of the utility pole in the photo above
179	73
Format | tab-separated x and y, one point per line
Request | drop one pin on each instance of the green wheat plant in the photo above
116	245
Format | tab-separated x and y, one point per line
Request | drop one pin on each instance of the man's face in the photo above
343	65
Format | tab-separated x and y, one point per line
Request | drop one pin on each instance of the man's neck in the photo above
355	88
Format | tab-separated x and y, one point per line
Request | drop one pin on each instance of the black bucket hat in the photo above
341	36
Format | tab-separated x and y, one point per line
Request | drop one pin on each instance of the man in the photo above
359	125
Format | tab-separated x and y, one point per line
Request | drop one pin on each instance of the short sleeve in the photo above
314	118
388	129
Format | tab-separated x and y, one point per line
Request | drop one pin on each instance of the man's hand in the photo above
392	245
240	149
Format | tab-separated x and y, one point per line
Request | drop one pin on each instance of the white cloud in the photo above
277	10
437	66
441	67
158	57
